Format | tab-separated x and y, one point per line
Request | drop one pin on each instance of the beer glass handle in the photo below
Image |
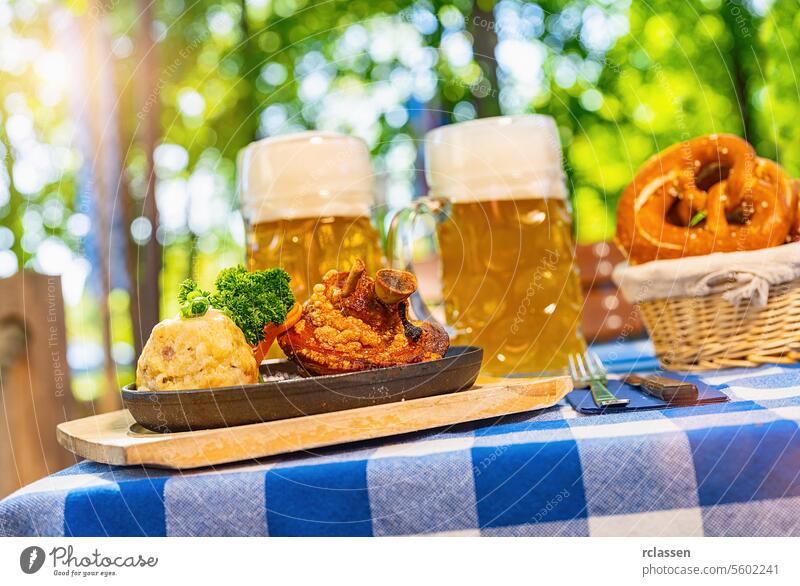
403	222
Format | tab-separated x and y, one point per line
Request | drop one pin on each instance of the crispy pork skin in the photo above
354	322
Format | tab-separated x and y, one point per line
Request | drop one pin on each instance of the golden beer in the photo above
510	284
509	279
307	198
307	248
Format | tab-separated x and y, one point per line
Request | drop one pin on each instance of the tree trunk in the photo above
132	249
147	278
253	60
100	110
741	26
484	35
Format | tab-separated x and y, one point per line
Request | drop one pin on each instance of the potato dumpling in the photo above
196	353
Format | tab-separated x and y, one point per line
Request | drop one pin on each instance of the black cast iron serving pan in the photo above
173	411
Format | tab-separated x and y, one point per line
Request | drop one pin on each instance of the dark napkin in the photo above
581	399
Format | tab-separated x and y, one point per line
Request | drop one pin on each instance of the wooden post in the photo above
34	379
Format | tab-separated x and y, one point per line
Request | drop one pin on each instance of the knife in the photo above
661	387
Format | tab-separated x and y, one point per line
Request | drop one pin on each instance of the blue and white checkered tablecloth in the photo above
723	469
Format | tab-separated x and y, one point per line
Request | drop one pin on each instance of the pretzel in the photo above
708	194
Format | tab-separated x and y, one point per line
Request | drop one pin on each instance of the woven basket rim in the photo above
707	332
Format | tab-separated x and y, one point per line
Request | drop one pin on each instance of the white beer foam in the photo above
501	158
305	175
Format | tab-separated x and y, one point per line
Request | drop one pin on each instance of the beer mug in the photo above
503	224
307	199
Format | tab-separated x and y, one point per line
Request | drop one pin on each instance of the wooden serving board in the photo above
115	438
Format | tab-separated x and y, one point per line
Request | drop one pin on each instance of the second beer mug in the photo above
509	280
307	198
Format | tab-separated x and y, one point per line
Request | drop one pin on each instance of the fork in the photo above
587	370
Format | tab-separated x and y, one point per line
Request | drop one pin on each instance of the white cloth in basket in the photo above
742	277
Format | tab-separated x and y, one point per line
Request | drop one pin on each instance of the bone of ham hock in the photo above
353	322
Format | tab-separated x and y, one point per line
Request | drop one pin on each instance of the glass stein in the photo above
307	201
504	229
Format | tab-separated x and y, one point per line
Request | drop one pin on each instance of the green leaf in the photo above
697	218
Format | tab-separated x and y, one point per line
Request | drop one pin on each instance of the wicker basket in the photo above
703	333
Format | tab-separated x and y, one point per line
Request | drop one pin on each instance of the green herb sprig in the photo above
250	299
194	301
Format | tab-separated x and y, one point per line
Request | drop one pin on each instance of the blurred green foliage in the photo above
623	79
